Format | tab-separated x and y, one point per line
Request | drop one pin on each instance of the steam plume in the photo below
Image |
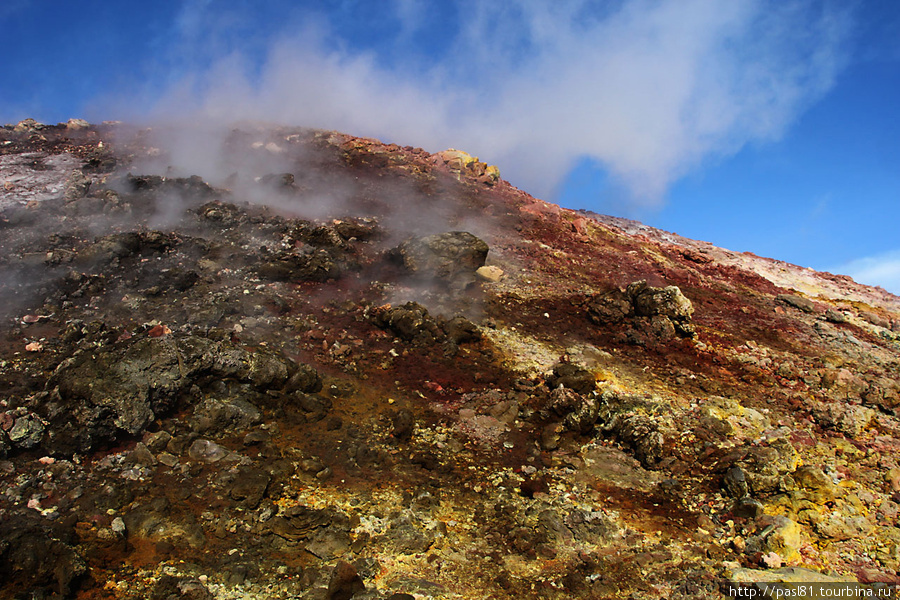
649	89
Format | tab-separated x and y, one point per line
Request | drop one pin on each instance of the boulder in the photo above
158	521
308	264
456	160
817	487
733	419
27	431
766	465
27	126
206	451
230	413
410	322
735	483
668	301
250	486
660	312
444	256
883	393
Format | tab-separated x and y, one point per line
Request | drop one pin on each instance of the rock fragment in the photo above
410	322
206	451
550	435
250	486
77	124
413	323
27	432
735	482
28	126
404	425
635	422
489	273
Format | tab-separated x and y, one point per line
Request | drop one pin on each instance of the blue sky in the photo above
760	125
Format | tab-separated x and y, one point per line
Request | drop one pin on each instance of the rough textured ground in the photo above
263	363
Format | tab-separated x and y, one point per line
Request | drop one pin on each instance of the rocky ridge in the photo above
338	368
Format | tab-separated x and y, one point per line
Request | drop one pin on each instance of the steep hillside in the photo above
265	362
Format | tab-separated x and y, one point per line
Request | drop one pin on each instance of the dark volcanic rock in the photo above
26	432
410	322
250	485
573	377
579	411
735	482
442	256
635	422
38	557
121	388
610	307
404	424
668	303
159	521
325	532
308	265
120	245
230	411
206	451
661	312
304	379
169	587
344	583
461	330
408	537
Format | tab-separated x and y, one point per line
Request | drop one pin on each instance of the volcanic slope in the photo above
262	362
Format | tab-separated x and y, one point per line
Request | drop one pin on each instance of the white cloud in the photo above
881	270
649	88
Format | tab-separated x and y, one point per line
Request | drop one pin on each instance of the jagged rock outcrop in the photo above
665	312
465	164
95	396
